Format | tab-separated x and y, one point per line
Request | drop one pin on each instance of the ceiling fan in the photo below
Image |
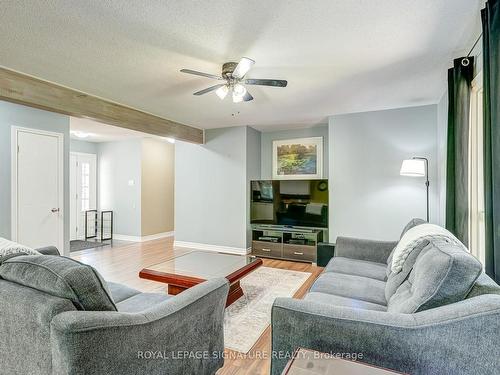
233	74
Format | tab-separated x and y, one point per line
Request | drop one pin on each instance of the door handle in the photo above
266	250
297	253
54	210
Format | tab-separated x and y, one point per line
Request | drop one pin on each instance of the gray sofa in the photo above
94	327
439	315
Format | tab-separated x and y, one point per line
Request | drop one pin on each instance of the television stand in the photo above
286	243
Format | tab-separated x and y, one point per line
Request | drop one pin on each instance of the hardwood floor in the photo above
122	262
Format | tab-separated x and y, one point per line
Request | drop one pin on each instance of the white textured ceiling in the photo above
99	132
338	56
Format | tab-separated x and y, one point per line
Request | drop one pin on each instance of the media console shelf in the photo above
286	243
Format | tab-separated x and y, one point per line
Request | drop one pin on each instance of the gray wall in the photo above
84	147
18	115
267	146
210	189
253	155
368	197
442	131
119	163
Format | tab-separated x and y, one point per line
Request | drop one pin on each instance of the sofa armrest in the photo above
460	338
48	250
160	340
356	248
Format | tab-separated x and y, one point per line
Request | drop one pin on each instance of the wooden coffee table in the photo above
196	267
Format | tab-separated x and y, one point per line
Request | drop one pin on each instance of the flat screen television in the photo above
293	203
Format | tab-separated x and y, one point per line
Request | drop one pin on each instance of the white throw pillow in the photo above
8	248
412	237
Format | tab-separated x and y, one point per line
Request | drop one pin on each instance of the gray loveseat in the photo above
439	315
103	328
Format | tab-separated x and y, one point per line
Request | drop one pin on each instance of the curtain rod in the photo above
475	44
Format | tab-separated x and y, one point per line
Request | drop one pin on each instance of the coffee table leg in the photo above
235	292
174	289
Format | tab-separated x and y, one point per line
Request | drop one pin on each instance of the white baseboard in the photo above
215	248
124	237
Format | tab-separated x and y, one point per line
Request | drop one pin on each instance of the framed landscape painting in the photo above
300	158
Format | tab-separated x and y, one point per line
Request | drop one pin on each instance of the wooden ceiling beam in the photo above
33	92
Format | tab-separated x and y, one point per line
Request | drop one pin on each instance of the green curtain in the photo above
457	183
491	93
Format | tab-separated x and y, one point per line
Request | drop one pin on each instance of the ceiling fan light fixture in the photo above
233	76
239	90
237	98
222	92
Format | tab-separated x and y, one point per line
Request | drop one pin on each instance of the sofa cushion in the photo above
357	287
141	302
357	267
62	277
443	273
331	299
394	280
9	249
484	285
412	238
411	224
120	292
48	250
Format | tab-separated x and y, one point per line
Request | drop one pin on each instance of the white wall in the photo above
19	115
211	190
146	207
119	163
368	197
84	146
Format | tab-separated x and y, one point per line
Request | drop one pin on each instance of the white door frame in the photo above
15	130
94	159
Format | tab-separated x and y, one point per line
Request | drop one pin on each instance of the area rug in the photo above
247	318
78	245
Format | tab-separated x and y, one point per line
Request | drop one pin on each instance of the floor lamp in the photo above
417	167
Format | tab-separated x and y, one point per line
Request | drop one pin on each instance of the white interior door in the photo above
83	192
38	190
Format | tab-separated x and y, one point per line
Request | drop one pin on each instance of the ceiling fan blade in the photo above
196	73
208	89
243	67
247	97
267	82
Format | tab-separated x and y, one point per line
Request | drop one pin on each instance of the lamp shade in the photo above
413	168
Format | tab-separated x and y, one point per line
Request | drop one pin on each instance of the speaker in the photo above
325	253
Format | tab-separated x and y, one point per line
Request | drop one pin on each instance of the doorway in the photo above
83	192
37	188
